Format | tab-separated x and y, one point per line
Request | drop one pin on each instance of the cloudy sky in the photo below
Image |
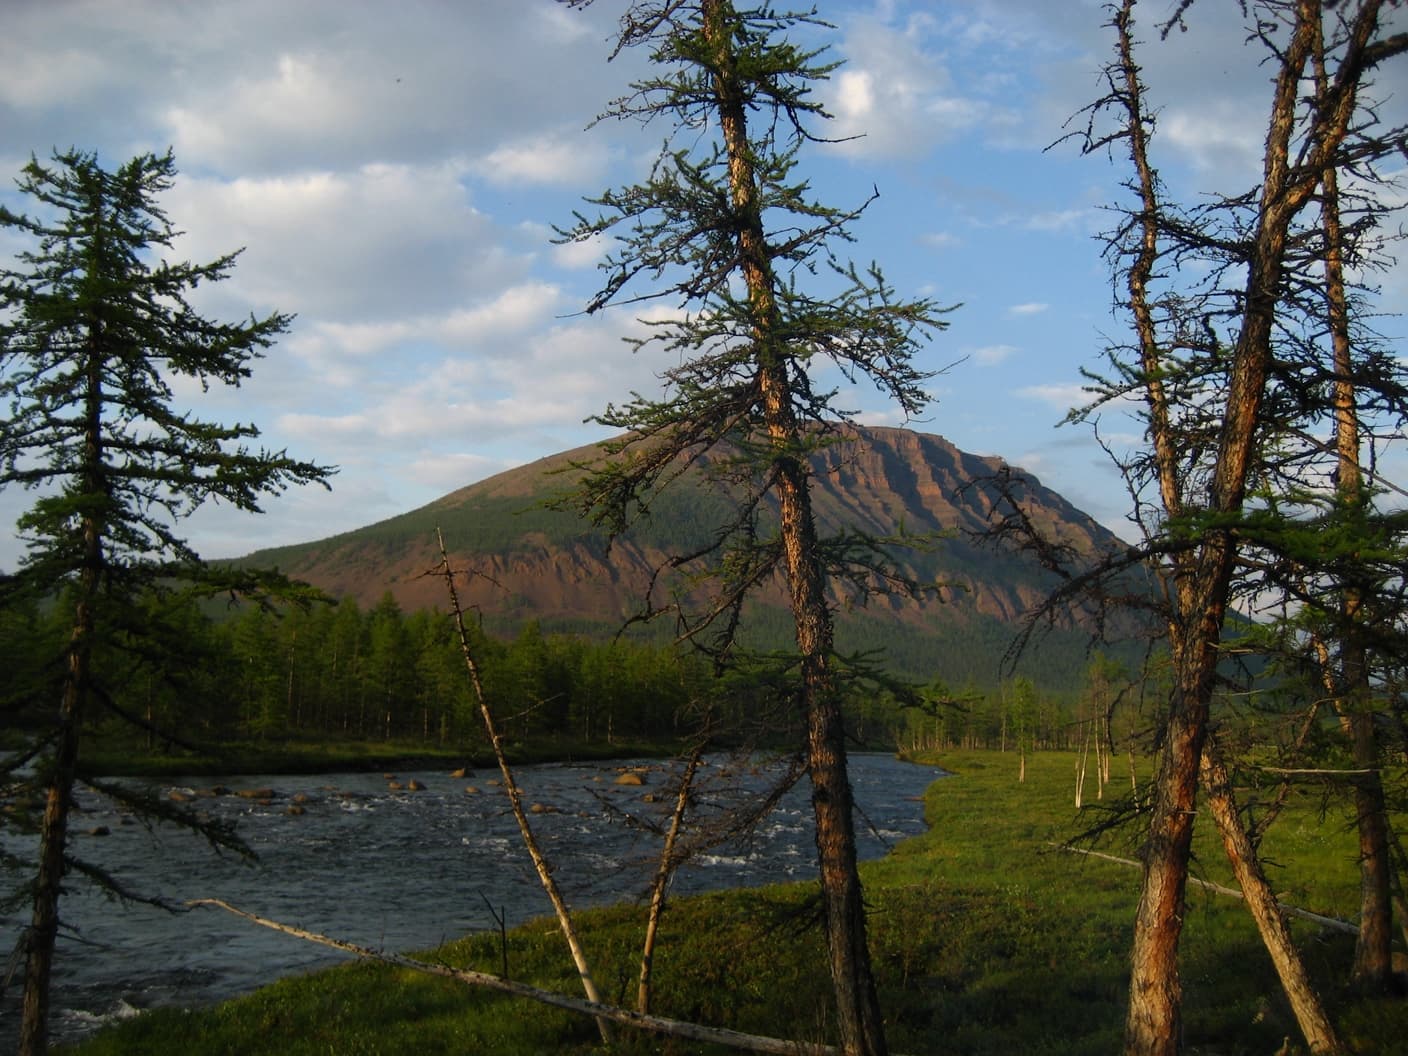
394	172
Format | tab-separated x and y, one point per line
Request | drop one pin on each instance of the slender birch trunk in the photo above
661	883
515	798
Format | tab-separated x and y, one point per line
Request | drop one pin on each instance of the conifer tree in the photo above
731	237
1232	397
93	331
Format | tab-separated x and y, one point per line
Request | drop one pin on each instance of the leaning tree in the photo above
1232	377
726	233
94	332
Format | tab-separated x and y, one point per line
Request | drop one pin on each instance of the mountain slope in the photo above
549	565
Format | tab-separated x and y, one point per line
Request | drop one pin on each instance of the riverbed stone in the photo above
630	777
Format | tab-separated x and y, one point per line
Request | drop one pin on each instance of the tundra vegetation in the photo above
987	938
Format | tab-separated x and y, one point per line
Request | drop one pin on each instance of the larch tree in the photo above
726	233
1210	362
93	333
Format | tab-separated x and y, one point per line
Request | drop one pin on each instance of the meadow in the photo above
989	936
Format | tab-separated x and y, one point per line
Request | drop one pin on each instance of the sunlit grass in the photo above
987	937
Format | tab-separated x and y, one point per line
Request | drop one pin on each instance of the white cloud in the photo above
448	472
578	255
1224	136
940	240
1062	397
992	355
1057	220
364	243
1028	308
516	310
561	159
895	94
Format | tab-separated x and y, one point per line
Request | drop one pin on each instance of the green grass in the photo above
987	938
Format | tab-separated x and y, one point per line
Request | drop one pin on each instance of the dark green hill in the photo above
552	566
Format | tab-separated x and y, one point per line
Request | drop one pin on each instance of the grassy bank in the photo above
987	938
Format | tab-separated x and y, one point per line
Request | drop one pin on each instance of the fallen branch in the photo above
1333	923
655	1024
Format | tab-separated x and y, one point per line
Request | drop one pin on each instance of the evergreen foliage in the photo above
731	238
93	335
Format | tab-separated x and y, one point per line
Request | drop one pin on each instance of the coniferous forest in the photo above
266	675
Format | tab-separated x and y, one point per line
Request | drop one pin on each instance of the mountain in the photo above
553	566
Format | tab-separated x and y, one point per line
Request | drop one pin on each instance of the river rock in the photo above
470	790
542	808
395	786
179	795
461	773
414	786
256	793
630	777
295	810
100	830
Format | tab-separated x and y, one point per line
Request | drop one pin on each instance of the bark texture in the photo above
1200	577
858	1017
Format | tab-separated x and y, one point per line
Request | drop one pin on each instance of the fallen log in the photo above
1333	923
655	1024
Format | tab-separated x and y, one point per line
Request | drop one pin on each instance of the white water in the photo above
397	871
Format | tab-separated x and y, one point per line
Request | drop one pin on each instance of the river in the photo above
399	870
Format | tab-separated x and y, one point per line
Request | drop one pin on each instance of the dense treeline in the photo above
383	674
336	671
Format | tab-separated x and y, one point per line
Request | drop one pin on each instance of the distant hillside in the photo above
552	566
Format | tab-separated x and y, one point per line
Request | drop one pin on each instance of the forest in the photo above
326	671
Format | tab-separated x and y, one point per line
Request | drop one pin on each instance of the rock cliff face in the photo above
532	562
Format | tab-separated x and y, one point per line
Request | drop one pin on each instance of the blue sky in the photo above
394	172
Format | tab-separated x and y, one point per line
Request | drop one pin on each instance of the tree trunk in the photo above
53	838
1201	584
1373	950
515	799
44	925
662	882
1153	1026
1305	1003
859	1021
